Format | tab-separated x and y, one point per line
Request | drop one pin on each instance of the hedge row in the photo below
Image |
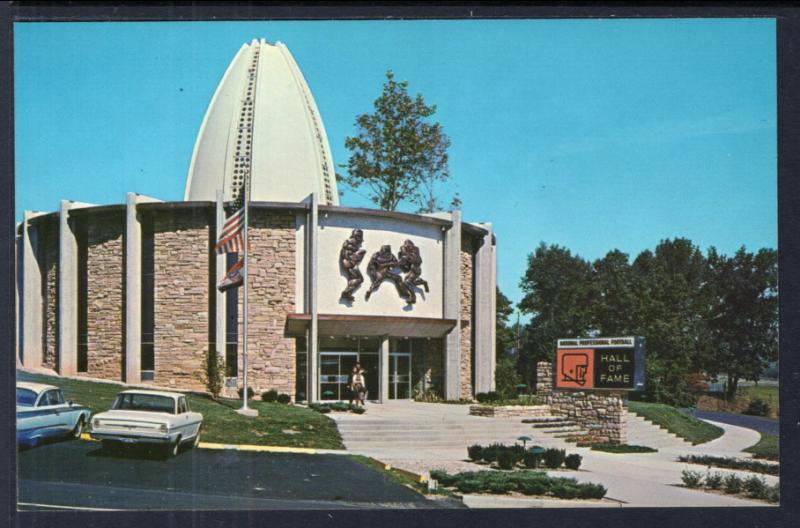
509	456
526	482
752	486
732	463
325	408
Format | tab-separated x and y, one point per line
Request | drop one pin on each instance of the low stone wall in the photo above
601	414
510	411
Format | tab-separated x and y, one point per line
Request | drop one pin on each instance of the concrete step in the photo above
565	423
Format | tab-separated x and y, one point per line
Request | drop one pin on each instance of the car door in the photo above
48	413
187	425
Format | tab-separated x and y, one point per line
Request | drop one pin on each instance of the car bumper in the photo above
134	438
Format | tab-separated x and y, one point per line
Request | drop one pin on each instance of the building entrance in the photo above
334	371
399	376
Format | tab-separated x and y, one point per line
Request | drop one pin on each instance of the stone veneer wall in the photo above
271	358
603	415
104	297
467	261
48	238
181	252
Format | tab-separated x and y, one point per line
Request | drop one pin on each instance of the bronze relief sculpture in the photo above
383	265
350	257
410	262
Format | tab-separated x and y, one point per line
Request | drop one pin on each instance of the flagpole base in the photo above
247	412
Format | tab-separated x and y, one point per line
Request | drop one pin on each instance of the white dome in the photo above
262	121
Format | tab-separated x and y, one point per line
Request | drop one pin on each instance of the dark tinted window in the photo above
26	397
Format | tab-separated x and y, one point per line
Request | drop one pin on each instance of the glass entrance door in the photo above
334	370
399	376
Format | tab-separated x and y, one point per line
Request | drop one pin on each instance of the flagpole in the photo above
245	284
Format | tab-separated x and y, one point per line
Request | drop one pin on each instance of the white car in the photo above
43	412
149	417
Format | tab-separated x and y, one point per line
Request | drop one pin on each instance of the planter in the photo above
510	411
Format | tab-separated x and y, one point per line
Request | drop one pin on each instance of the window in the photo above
181	405
148	299
25	397
232	325
144	402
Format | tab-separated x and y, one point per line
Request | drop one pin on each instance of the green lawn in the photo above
766	448
221	423
687	427
619	448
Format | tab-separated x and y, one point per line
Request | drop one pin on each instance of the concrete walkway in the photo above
419	437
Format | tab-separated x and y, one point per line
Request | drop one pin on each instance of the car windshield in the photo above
144	402
25	397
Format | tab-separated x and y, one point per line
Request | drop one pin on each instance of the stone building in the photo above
128	292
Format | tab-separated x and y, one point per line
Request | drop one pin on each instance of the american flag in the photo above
233	279
231	239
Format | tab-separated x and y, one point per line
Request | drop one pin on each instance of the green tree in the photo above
744	315
505	338
557	288
397	154
672	315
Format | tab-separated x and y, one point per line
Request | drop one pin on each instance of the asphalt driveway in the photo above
84	474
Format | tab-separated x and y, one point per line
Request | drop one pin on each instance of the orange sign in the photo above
575	368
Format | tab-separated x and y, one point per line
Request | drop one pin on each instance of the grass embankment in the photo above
766	448
687	427
277	424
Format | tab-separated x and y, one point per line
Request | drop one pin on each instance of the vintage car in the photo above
42	412
149	417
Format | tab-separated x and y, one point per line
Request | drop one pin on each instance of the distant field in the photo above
768	393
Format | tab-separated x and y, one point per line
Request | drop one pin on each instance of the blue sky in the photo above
592	134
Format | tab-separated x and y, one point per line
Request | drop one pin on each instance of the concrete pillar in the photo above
220	298
452	308
67	345
133	291
32	294
483	310
133	287
19	249
383	363
312	343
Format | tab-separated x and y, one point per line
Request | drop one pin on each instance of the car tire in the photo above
196	441
174	448
78	430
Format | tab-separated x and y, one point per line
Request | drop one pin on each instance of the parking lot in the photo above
84	475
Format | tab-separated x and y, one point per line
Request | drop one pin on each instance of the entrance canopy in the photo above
369	325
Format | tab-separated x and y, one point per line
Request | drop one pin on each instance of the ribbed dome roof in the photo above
262	123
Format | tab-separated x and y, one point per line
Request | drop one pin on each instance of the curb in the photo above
257	448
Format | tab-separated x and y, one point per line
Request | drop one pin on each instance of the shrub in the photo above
553	458
475	452
531	460
501	487
491	452
486	397
591	491
269	396
564	491
773	493
284	398
212	373
573	461
758	407
755	486
506	459
443	478
359	410
713	481
340	407
323	408
468	486
691	479
250	392
732	484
